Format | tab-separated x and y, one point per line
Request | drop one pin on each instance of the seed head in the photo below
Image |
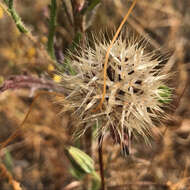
133	88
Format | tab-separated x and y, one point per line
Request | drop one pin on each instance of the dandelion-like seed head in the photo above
133	88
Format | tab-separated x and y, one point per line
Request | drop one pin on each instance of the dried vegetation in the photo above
35	160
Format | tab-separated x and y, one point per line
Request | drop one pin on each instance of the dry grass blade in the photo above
108	52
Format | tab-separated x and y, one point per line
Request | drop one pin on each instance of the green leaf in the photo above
96	181
92	5
80	160
77	173
8	160
68	67
165	94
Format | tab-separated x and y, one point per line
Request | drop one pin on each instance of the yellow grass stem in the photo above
108	53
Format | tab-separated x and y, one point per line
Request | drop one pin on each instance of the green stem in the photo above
16	17
92	5
96	181
52	25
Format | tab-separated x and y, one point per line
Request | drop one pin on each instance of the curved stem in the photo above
15	16
108	53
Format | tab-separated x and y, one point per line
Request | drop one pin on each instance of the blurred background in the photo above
36	158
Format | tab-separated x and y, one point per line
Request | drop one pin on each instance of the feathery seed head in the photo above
134	88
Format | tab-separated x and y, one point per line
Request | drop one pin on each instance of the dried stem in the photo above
101	164
108	53
5	174
52	25
30	82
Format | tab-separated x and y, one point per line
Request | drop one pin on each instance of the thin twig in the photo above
6	175
30	82
52	25
108	53
101	164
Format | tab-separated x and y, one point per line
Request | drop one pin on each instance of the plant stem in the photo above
15	16
52	25
92	5
100	141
